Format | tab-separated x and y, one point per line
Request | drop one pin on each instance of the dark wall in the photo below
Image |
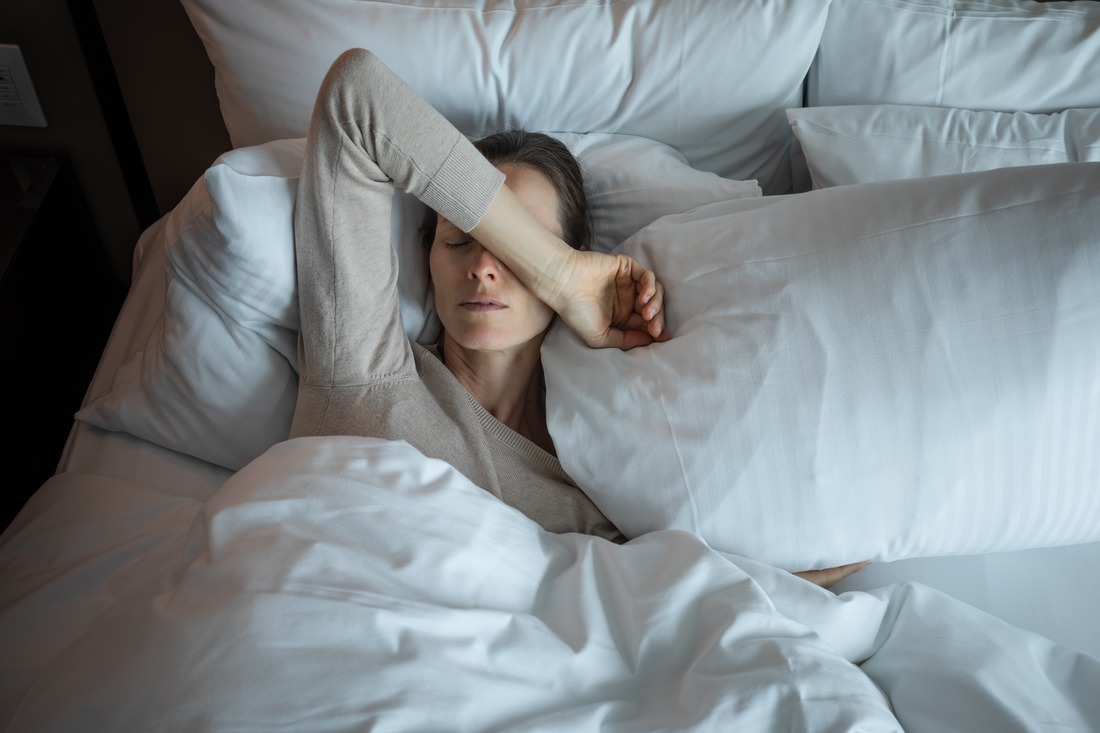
128	93
44	31
168	88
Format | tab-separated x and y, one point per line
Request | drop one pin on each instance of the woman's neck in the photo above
508	384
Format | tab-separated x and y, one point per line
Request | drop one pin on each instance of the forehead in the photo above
533	190
444	226
536	192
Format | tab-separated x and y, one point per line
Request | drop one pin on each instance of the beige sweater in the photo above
359	373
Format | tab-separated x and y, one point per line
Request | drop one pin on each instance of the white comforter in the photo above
350	584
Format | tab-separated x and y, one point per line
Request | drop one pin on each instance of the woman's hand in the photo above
612	301
829	577
609	300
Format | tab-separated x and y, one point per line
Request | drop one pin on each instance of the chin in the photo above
495	339
490	343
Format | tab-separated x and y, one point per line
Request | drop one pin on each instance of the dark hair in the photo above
550	157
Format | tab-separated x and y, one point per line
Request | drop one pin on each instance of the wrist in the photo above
558	284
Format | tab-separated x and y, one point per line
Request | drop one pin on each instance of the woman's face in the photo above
482	305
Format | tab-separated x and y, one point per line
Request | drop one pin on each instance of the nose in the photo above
483	265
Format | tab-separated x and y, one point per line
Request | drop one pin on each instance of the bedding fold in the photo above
343	583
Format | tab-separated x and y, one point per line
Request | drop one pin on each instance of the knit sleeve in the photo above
369	132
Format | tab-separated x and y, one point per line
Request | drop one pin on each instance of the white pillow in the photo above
632	181
217	378
867	143
709	77
1000	55
867	372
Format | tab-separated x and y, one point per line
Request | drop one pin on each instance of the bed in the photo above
878	225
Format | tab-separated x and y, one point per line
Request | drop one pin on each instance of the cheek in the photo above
541	313
431	263
437	268
437	284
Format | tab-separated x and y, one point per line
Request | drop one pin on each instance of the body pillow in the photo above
867	372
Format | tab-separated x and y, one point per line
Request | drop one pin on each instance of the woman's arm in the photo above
370	132
609	300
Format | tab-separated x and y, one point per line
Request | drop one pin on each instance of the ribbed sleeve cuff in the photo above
463	187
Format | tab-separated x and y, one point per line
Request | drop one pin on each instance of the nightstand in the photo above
58	301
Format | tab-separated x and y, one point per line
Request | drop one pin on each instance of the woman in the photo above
500	270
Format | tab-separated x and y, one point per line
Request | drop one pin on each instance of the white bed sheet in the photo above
1051	591
444	609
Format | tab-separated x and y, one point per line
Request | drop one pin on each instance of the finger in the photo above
655	313
634	322
621	338
655	304
647	285
633	338
644	280
654	329
829	577
658	329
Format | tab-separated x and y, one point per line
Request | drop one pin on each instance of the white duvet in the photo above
341	584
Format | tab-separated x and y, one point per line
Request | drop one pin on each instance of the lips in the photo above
482	303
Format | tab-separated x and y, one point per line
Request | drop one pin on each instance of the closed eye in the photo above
456	244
